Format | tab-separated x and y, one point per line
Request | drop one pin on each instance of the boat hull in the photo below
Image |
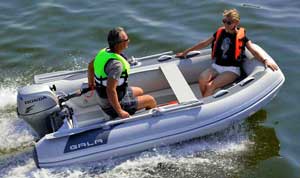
165	125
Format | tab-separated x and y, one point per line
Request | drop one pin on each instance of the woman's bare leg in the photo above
221	80
205	77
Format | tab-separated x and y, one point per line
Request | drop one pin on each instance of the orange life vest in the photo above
238	42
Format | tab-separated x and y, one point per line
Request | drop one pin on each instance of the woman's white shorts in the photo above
221	69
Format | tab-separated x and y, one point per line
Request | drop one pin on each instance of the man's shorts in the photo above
128	103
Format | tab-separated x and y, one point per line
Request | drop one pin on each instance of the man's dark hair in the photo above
113	37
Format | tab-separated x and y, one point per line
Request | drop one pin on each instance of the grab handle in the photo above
193	54
220	93
164	58
246	81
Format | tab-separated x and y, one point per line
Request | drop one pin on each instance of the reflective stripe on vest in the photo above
238	42
102	58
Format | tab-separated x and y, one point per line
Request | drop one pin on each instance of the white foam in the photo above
210	155
14	133
21	171
7	97
213	155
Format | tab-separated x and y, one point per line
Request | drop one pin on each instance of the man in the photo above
108	73
228	46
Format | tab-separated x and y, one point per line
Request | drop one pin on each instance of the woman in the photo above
228	46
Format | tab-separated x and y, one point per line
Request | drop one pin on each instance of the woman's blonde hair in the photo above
233	13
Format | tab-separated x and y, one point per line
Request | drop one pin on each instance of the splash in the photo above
214	155
7	97
197	158
15	134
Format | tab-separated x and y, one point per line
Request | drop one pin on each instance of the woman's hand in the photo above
270	64
266	62
181	55
198	46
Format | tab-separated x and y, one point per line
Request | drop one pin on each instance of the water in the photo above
50	35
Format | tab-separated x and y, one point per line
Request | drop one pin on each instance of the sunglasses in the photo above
228	22
125	40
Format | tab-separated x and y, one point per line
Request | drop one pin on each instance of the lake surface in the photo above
50	35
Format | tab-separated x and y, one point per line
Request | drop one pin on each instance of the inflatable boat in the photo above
72	128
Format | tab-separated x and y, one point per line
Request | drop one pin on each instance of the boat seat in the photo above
89	116
177	82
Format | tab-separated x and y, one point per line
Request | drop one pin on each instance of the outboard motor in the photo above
36	104
42	109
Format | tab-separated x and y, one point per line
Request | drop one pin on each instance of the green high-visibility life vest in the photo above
102	58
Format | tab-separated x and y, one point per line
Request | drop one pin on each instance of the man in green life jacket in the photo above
108	73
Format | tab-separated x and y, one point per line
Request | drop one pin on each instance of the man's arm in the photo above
91	79
112	96
114	70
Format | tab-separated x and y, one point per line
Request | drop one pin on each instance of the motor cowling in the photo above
35	104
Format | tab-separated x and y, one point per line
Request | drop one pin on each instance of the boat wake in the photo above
15	134
7	97
217	153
